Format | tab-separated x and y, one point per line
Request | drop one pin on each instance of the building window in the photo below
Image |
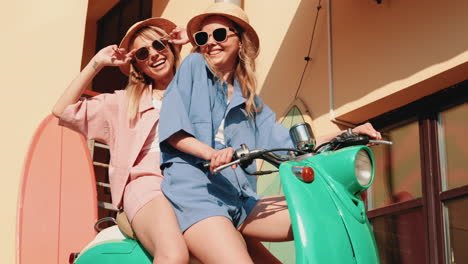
456	229
111	28
398	171
397	180
453	152
417	205
453	143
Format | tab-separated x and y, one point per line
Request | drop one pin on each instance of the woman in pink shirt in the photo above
127	121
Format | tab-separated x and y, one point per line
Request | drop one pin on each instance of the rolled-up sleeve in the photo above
90	117
270	133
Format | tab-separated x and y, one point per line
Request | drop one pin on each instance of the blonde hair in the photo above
138	82
244	70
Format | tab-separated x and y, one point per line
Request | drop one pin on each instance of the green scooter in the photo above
323	188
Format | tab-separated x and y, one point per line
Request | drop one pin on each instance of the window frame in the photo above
426	111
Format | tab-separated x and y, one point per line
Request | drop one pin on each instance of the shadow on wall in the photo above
284	77
159	6
373	46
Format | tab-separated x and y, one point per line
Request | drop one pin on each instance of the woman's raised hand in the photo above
113	56
179	36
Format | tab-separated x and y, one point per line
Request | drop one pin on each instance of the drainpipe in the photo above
330	73
237	2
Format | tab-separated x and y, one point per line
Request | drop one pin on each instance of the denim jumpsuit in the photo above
196	102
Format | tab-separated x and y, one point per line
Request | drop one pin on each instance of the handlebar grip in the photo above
227	165
381	142
346	140
360	140
206	166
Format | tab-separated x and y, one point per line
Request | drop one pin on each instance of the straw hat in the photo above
230	11
159	22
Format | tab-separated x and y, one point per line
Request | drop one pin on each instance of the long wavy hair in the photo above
244	70
139	82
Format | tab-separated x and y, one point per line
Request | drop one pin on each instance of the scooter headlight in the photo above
363	168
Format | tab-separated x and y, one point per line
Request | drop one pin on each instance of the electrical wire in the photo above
307	58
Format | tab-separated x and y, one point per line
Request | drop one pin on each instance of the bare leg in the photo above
268	221
157	229
216	240
259	253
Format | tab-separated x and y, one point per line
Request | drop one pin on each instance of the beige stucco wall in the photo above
180	12
41	46
387	50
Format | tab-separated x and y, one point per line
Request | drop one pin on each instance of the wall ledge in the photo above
404	96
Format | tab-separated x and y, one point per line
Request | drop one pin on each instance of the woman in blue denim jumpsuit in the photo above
209	109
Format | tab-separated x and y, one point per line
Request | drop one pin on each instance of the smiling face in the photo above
159	65
223	55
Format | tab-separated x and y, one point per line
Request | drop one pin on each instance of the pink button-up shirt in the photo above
104	119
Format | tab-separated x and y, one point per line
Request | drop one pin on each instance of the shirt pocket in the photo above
203	131
237	133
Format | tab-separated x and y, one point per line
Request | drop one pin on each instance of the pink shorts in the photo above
139	192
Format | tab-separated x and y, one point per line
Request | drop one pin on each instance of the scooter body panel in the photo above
350	204
329	223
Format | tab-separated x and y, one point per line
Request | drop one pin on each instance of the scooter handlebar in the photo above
227	165
347	139
244	157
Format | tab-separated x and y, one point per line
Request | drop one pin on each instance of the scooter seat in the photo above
107	234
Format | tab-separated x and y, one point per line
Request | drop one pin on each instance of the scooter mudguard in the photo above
329	223
115	252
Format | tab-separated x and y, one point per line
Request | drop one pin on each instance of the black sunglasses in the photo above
219	35
142	53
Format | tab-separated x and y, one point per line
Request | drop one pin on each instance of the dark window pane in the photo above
101	155
397	170
111	29
457	230
400	238
454	146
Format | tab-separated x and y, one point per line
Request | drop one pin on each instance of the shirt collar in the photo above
237	98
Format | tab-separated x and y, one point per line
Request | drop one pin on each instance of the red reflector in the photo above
308	174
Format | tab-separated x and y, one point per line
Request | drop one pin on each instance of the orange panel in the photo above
57	206
78	210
